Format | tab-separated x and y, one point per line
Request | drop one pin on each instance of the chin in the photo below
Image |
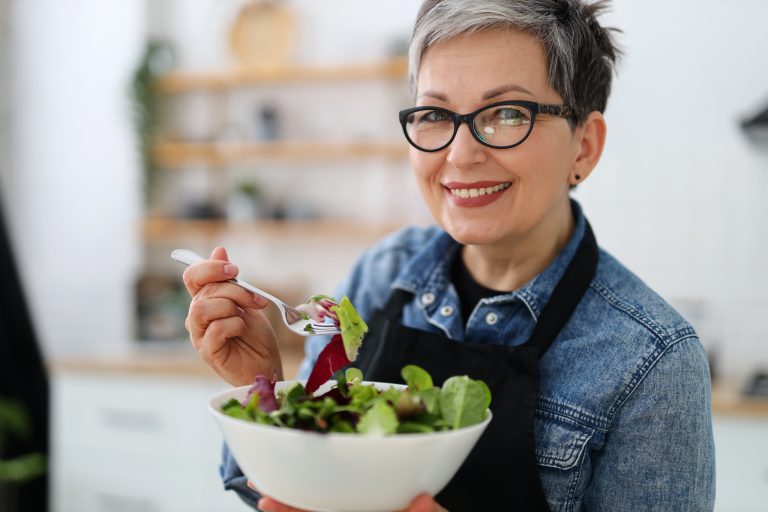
471	235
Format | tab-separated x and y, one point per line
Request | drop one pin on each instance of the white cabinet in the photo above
741	445
136	443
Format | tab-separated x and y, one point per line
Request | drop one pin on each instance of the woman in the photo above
601	390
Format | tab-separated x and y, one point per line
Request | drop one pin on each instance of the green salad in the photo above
352	406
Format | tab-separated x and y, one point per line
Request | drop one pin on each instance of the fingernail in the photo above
259	300
230	269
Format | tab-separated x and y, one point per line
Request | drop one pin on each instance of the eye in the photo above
509	116
432	116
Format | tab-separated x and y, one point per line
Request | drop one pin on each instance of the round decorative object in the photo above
262	35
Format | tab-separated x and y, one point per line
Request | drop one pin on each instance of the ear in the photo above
589	140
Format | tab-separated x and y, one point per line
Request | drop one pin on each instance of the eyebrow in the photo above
498	91
505	89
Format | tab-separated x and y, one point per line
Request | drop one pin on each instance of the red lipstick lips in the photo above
475	194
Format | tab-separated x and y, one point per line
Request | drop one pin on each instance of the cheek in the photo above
426	166
536	167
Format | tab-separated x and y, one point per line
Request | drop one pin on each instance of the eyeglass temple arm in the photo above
556	110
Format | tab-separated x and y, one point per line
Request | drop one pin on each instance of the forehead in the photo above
468	65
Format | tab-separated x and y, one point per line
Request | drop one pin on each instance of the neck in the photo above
511	263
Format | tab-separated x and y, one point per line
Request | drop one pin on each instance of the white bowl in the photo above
343	472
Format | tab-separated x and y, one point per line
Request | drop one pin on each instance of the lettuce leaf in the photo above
353	328
463	401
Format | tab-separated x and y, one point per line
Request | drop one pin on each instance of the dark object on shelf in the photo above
757	386
161	308
23	391
268	123
203	211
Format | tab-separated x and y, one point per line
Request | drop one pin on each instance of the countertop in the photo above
727	400
175	362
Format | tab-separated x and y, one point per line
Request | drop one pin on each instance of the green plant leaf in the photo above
22	468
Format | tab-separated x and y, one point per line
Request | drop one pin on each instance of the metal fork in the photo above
298	322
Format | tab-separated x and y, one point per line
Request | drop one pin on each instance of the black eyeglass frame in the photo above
534	108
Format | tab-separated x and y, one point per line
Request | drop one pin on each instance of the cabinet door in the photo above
741	451
136	443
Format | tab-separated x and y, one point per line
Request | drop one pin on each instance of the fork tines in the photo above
324	329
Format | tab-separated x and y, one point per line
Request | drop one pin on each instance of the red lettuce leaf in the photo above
331	359
266	391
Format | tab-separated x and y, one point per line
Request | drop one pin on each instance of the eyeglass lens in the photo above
498	126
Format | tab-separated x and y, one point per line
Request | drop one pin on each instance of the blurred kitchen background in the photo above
132	127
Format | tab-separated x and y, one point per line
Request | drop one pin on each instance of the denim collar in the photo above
429	272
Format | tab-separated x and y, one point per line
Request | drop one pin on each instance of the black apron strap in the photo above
567	294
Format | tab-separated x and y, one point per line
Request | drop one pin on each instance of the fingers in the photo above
204	312
268	504
220	253
209	271
236	294
424	503
214	345
216	269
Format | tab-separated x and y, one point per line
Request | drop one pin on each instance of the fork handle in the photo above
188	257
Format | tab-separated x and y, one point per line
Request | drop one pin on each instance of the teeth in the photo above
465	193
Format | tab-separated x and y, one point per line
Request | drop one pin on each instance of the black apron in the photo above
501	472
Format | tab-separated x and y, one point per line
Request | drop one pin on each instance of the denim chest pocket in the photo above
560	443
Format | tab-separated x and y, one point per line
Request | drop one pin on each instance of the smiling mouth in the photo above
465	193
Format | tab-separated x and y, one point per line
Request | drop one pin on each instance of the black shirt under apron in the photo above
470	292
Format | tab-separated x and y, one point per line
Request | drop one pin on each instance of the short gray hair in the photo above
581	53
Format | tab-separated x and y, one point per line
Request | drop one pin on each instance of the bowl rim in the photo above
218	399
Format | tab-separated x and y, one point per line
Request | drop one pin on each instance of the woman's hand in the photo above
422	503
226	324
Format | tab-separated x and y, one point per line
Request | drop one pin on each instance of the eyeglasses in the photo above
501	125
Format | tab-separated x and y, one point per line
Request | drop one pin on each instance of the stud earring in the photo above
578	177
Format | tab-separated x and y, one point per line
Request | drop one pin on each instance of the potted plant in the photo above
14	423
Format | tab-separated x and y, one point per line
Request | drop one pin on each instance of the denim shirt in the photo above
623	418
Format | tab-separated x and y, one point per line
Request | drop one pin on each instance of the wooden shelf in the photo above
727	400
175	154
157	230
181	82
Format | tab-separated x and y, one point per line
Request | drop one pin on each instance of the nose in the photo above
465	151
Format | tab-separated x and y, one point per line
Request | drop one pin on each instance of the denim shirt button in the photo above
428	298
491	318
446	310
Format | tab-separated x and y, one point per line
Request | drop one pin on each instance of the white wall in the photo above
5	107
73	185
679	196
